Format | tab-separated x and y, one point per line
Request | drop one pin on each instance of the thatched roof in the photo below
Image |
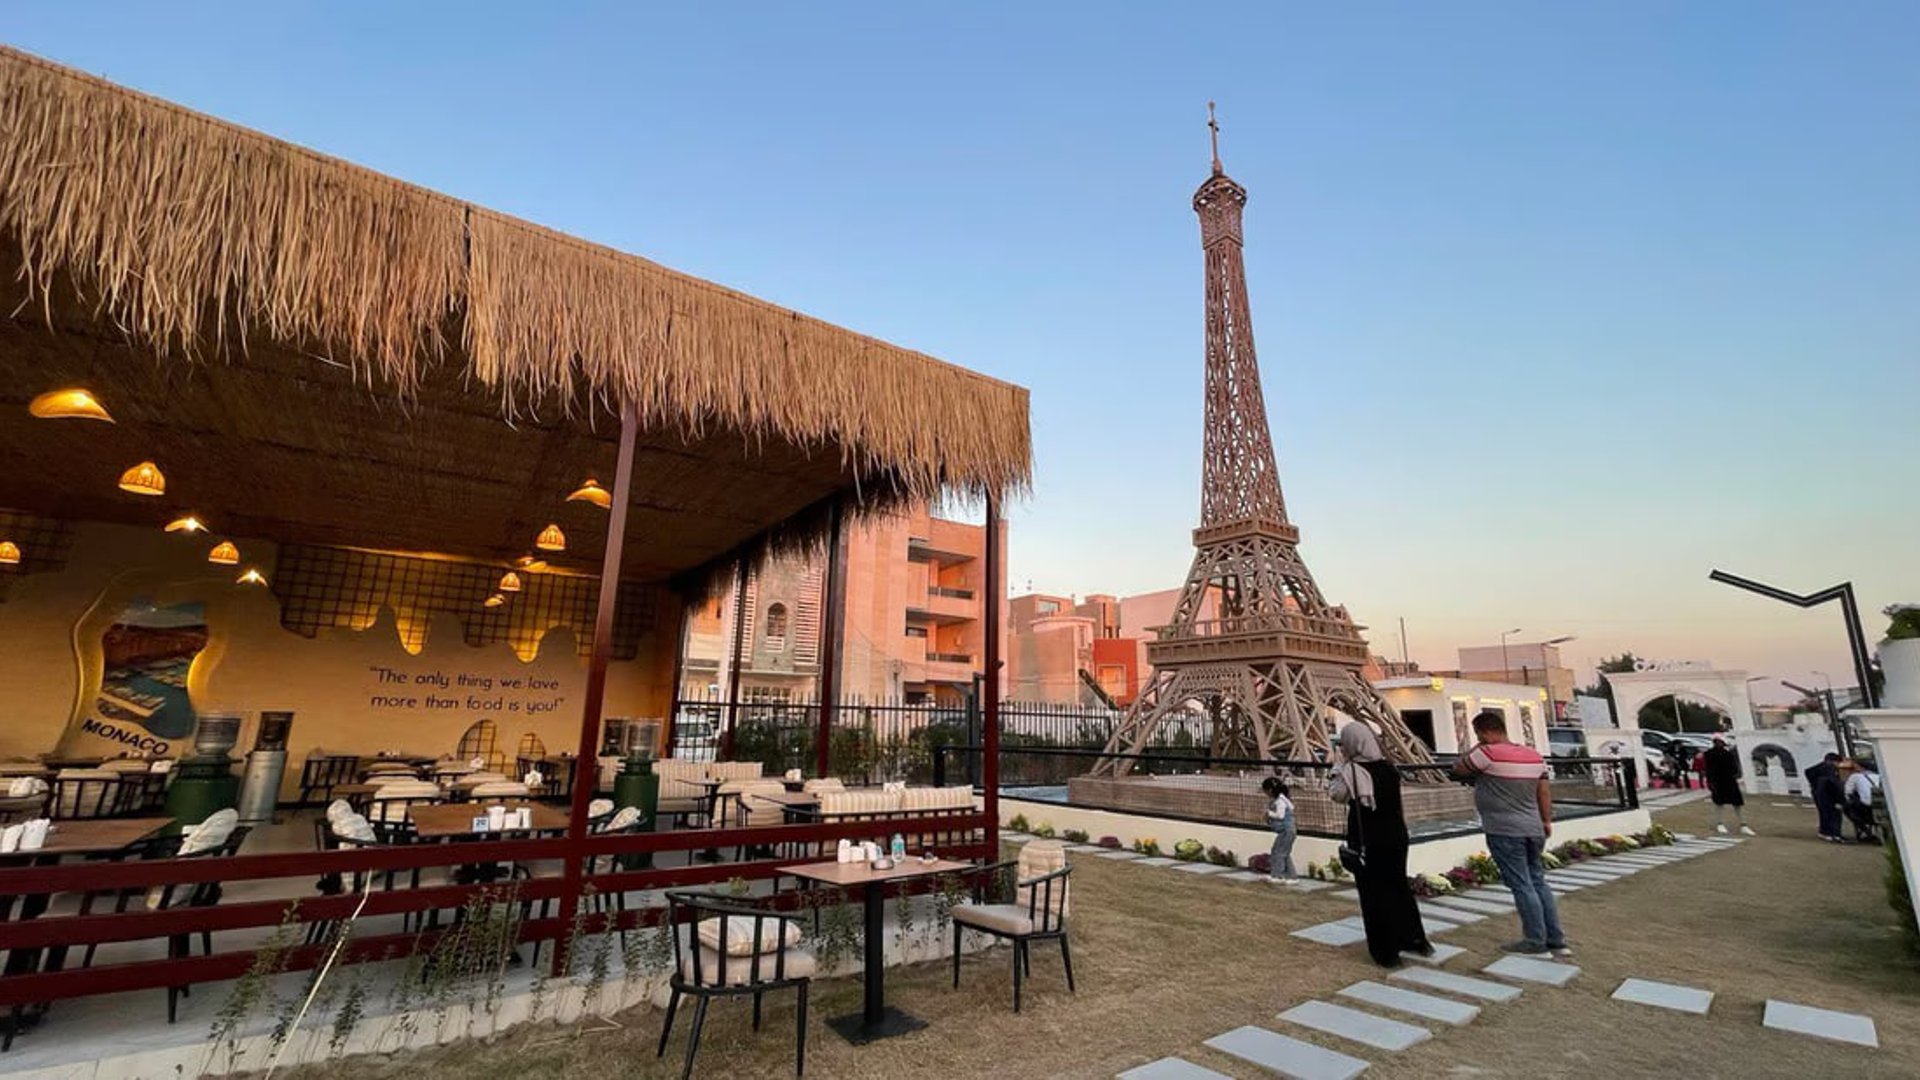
350	350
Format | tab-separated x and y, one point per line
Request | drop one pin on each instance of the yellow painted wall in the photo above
352	692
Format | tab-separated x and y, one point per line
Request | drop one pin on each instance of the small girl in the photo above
1280	820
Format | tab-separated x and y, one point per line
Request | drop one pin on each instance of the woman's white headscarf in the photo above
1356	743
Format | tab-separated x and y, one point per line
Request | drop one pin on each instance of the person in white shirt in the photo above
1858	791
1280	820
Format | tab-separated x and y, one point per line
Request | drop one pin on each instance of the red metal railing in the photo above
78	931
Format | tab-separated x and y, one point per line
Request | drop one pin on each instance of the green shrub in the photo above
1485	870
1043	830
1074	836
1189	850
1218	857
1147	846
1019	824
1900	898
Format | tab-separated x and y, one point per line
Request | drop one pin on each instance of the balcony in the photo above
945	605
937	549
949	667
1252	637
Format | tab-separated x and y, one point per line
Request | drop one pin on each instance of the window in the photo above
1047	607
1113	679
1526	724
776	626
1462	741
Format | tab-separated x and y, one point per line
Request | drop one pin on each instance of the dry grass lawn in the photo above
1165	960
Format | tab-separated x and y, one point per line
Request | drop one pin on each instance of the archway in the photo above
1689	679
1769	752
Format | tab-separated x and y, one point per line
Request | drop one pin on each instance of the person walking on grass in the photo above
1375	853
1823	784
1280	820
1515	801
1721	765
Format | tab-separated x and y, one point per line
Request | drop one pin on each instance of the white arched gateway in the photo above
1726	690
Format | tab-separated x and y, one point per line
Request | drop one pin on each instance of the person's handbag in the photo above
1354	859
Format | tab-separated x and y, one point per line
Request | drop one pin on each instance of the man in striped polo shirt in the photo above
1515	801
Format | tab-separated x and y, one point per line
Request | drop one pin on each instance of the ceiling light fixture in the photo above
510	582
250	577
551	539
72	404
530	564
187	524
9	553
496	600
224	554
144	479
592	492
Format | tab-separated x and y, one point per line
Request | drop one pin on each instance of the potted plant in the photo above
1900	657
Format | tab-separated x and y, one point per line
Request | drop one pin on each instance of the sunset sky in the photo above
1558	307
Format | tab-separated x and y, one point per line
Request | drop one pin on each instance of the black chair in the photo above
1036	911
704	973
198	894
319	775
77	798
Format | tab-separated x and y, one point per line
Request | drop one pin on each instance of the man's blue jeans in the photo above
1518	858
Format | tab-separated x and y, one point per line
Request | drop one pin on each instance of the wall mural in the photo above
146	654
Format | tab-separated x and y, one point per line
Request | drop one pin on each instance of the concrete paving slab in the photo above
1331	934
1529	969
1821	1023
1430	911
1462	985
1119	855
1201	868
1467	903
1441	954
1172	1068
1365	1028
1156	860
1289	1057
1662	995
1412	1002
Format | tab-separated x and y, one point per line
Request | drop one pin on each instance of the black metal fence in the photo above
1198	787
878	740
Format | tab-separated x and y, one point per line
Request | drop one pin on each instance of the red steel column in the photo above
586	766
990	708
833	626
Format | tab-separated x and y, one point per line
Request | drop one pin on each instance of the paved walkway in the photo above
1419	1003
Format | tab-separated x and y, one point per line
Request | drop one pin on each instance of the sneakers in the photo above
1721	829
1561	951
1747	830
1525	948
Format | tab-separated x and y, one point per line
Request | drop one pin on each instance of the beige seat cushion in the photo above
126	765
758	811
1000	918
799	965
1037	859
498	789
675	775
774	934
735	770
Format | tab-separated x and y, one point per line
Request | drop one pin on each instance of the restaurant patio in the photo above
302	457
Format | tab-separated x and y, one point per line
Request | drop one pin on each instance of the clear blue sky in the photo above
1558	306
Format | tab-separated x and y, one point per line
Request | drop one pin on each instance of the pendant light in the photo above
250	577
510	582
71	404
224	554
530	564
551	539
592	492
144	479
9	553
496	600
187	524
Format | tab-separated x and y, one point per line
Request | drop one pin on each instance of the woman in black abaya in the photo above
1367	782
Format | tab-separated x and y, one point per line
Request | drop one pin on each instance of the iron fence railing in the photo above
1199	787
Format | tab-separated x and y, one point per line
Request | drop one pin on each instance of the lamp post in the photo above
1849	612
1506	669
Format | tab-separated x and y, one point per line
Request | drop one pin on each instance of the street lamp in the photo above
1506	669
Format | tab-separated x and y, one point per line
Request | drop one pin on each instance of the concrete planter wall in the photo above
1900	662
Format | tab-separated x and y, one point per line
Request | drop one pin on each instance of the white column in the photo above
1896	735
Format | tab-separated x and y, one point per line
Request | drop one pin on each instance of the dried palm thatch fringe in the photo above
188	231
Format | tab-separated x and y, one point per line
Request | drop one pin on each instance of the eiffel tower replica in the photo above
1272	662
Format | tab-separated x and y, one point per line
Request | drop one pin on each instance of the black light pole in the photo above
1840	739
1850	612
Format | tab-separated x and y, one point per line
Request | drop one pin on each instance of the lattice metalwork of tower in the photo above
1252	642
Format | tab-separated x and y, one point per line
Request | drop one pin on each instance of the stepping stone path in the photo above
1432	911
1202	868
1119	855
1172	1068
1665	996
1287	1056
1412	1002
1529	969
1441	954
1243	875
1821	1023
1331	934
1492	896
1480	907
1156	860
1356	1026
1464	985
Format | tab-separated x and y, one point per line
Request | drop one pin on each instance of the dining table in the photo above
876	1019
451	821
83	837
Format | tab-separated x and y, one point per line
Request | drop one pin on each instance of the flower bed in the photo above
1481	870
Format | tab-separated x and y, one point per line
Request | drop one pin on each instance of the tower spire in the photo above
1213	128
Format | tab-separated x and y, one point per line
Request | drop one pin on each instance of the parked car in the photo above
1566	742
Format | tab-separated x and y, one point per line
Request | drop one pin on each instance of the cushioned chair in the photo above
80	794
499	789
822	783
731	948
1036	911
679	797
218	837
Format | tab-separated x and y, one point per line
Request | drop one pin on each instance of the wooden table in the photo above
875	1020
448	820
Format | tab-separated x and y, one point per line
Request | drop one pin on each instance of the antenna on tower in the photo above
1213	127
